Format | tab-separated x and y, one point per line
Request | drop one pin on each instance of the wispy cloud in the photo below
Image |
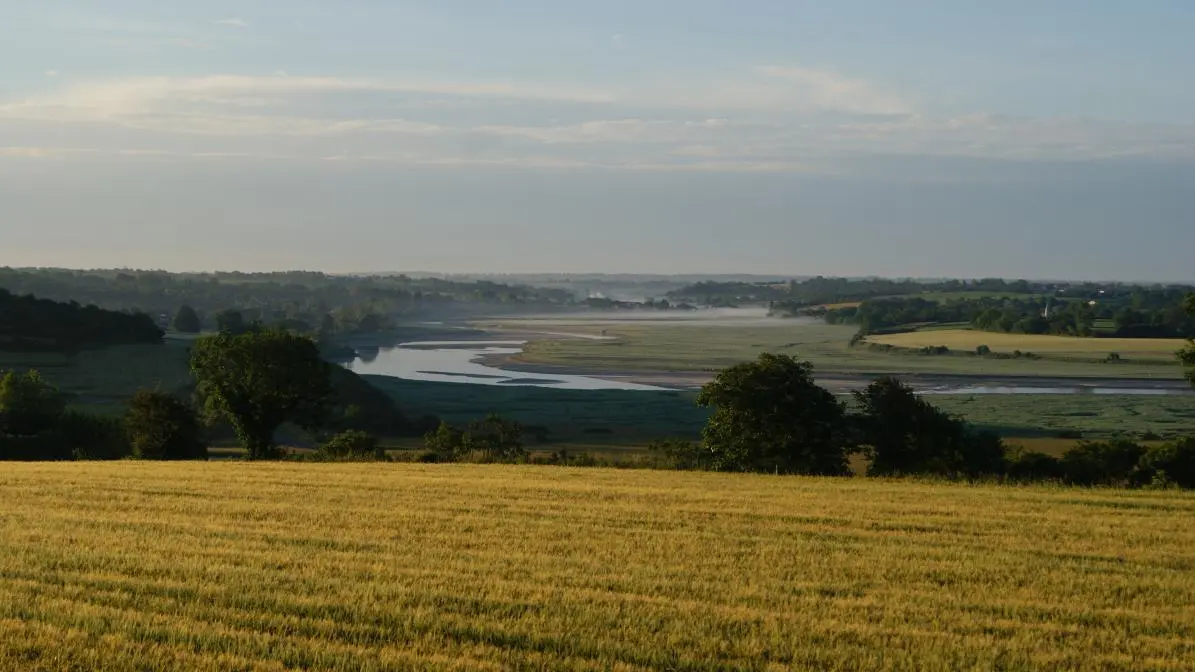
145	95
26	152
830	90
232	23
769	118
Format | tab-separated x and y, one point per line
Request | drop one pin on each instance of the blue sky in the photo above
1040	139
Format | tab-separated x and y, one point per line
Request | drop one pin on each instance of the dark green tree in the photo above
260	379
1105	463
1172	463
162	427
354	444
902	433
1187	354
445	442
677	454
32	324
231	322
187	321
91	437
29	404
496	438
769	415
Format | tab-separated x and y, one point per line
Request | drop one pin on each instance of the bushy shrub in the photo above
496	439
982	454
1102	463
492	439
355	445
445	442
1030	466
47	447
162	427
94	437
677	454
29	405
1172	463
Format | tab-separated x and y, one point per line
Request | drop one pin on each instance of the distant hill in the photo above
353	303
32	324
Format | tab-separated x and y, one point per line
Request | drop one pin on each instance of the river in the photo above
462	362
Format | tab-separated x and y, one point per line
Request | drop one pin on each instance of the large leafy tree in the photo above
902	433
260	379
1187	354
769	415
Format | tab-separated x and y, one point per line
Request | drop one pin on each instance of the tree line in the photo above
793	295
34	324
250	383
354	303
771	417
1035	315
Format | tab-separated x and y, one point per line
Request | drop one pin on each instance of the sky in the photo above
1041	139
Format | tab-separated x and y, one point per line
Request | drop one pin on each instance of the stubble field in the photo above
266	566
1137	349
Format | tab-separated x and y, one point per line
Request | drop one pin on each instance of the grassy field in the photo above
680	347
570	416
127	566
1137	349
104	379
1095	416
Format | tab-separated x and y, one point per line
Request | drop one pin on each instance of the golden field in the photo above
225	566
966	339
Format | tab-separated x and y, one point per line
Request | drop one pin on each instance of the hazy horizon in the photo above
1029	140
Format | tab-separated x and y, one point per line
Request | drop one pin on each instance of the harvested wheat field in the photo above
132	566
1160	349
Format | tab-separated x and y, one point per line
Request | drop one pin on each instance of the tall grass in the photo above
133	566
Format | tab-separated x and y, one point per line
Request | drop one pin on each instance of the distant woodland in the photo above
302	301
34	324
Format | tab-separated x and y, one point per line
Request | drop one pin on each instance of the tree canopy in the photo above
187	321
902	433
769	415
260	379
